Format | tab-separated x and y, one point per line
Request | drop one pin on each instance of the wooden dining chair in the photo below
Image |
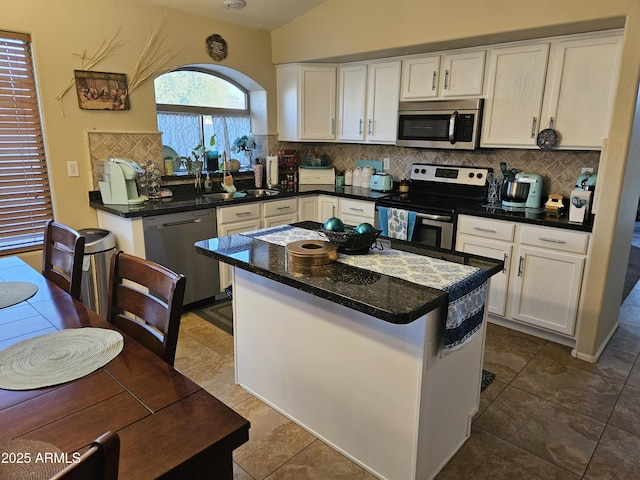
145	301
99	462
62	255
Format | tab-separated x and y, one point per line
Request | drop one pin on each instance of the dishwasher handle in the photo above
173	224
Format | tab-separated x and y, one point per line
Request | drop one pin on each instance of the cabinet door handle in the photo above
533	126
243	214
361	123
433	80
284	208
520	265
505	260
446	79
487	230
552	240
333	126
356	209
370	127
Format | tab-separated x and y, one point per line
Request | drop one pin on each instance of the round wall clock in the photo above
216	47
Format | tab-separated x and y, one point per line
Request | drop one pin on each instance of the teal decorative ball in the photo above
333	224
365	228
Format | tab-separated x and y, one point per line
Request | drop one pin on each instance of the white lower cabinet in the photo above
279	212
327	207
233	220
354	212
541	283
308	208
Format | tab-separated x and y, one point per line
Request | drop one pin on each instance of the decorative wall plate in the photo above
216	47
547	138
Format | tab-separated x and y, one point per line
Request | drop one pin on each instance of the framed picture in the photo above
102	91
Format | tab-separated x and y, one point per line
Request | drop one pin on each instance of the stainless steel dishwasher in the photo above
169	240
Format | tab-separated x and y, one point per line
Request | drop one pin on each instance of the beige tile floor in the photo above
545	416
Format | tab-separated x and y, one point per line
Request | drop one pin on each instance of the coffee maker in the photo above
118	182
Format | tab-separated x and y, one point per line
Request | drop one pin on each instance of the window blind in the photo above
25	196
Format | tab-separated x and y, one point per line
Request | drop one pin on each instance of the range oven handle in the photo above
452	127
437	218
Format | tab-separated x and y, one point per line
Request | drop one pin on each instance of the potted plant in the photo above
245	144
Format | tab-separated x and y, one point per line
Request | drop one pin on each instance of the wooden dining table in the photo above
169	427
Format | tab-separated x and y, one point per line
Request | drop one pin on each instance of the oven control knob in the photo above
423	171
471	174
479	175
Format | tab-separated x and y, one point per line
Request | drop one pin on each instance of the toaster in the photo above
381	182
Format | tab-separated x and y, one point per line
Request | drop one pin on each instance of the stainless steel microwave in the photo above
447	124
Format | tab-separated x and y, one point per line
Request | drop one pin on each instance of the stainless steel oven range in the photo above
435	193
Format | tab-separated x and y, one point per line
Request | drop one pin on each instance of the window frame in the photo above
171	107
25	188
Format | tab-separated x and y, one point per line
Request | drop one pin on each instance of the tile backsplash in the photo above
559	168
139	147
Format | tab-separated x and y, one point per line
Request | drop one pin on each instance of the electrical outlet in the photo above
386	164
586	170
72	169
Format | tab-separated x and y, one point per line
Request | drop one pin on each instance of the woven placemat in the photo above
30	459
57	357
16	292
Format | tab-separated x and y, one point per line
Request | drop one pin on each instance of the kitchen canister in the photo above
357	177
365	181
348	177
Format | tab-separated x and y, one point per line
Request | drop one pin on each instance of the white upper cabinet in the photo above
516	77
428	77
306	102
580	87
566	84
352	102
368	102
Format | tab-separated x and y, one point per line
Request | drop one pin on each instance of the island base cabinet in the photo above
378	392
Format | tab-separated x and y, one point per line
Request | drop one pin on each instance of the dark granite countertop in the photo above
388	298
539	217
185	199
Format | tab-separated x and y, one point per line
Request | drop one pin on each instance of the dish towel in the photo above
396	223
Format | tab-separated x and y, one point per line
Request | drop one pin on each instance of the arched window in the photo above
193	105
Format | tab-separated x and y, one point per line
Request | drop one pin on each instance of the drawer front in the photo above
555	239
280	207
237	213
355	208
482	227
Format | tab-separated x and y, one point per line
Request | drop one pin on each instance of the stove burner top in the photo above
441	189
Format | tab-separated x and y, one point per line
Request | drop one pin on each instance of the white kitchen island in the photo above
318	352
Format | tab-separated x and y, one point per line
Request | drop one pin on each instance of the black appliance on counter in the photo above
435	194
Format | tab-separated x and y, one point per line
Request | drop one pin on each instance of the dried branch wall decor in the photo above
151	62
106	49
216	47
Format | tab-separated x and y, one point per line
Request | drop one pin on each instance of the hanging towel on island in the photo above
396	223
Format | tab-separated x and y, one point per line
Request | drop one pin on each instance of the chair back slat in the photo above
62	255
145	301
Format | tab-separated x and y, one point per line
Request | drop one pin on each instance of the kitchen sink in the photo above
218	196
261	192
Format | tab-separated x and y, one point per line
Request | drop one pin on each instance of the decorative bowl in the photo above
232	165
351	242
